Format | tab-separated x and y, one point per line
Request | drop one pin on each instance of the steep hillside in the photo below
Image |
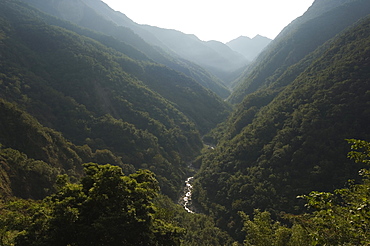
320	23
186	94
96	15
296	143
98	96
31	155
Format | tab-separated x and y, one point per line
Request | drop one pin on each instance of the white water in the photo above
186	199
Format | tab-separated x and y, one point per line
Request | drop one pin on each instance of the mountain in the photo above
32	155
248	47
322	21
73	100
176	43
96	15
147	114
70	96
288	137
216	57
172	86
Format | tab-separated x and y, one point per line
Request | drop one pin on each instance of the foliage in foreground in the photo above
105	208
339	218
109	208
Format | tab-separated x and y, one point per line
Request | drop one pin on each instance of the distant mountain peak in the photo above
261	37
249	47
240	38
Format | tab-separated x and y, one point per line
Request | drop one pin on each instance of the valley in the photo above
101	116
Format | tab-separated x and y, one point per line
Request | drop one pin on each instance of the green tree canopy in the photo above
338	218
105	208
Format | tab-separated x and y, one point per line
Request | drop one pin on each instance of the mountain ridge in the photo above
97	96
249	47
288	137
89	18
149	33
74	100
266	66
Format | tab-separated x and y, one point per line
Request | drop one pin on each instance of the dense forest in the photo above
99	128
268	154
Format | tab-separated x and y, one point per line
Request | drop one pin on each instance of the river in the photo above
185	199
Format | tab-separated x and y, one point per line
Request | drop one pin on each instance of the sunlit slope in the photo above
322	21
295	142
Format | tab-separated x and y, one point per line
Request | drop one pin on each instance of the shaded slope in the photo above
31	155
97	16
90	93
173	88
219	61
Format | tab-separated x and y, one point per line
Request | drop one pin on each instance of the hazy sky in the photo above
221	20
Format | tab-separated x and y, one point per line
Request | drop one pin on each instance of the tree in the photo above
341	217
262	230
105	208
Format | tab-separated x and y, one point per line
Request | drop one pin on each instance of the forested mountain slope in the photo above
73	100
31	155
322	21
268	155
180	89
98	96
96	15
